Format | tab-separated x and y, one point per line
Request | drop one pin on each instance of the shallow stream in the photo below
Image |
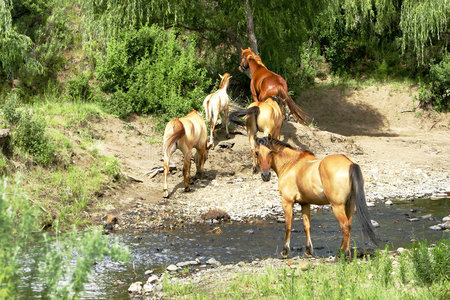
261	239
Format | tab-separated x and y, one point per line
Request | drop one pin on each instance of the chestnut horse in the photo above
304	179
185	133
217	103
266	117
265	83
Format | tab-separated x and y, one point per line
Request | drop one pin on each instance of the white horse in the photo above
216	104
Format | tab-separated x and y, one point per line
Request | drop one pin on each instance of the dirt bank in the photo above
403	154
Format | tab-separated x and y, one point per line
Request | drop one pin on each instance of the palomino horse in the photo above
185	133
304	179
217	103
265	83
266	117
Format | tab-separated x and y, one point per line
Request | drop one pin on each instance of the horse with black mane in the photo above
305	179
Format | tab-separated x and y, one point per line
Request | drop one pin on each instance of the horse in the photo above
217	103
185	133
304	179
266	117
265	83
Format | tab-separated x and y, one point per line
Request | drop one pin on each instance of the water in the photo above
262	239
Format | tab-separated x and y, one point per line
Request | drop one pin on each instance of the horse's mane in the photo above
269	144
222	82
257	59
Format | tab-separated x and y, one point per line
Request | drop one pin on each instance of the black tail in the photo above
359	197
235	116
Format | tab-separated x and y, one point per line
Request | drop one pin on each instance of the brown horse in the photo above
304	179
265	83
185	133
266	117
217	103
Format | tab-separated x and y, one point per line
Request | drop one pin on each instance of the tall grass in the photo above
420	273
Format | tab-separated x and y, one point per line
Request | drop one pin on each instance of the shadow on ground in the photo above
330	111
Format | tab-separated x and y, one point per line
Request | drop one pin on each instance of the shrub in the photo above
28	132
431	265
152	71
78	88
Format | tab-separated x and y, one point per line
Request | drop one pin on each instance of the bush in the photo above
431	265
152	71
28	132
78	88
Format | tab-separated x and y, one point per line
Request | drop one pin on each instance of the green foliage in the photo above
431	266
61	263
15	48
152	71
79	89
29	132
440	84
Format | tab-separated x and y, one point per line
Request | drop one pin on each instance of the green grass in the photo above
380	277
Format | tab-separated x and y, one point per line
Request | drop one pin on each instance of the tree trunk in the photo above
251	32
250	27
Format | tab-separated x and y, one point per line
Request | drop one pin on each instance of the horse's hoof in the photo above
187	189
255	170
307	255
166	194
284	254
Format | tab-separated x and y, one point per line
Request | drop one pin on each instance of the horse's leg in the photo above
251	132
287	208
306	214
346	227
187	168
253	89
166	173
226	120
212	125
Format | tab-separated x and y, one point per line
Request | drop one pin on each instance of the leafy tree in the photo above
15	48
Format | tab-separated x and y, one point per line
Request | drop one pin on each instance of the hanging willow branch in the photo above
422	21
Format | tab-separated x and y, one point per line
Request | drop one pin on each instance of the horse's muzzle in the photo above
265	176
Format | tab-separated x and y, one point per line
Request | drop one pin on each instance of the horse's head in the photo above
225	79
244	58
264	153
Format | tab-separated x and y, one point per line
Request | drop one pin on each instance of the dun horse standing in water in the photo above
265	83
185	133
216	104
266	117
304	179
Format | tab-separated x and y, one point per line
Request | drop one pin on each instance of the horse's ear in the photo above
221	77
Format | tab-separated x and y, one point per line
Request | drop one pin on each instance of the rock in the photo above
304	266
445	225
436	227
187	263
172	268
148	272
388	202
249	231
427	216
370	204
148	288
227	145
152	279
400	249
375	223
413	219
446	219
135	288
212	261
